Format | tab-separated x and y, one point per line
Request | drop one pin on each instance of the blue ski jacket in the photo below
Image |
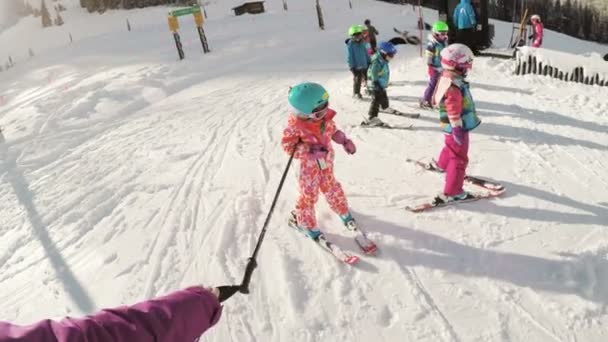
464	15
356	55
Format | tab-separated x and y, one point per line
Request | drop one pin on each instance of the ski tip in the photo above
417	209
370	250
351	259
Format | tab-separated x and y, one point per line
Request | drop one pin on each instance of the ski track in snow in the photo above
146	176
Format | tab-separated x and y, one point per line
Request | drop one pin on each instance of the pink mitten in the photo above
350	147
340	138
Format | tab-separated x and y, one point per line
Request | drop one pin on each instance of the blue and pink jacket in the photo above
456	105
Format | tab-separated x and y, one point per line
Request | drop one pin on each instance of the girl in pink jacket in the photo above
537	32
458	117
311	131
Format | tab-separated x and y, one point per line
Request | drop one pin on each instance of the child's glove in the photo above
458	135
340	138
317	151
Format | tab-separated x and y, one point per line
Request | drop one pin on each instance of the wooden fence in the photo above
529	64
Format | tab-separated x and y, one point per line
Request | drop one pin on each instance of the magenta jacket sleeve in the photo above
180	316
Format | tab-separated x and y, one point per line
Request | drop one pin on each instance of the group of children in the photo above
311	128
369	65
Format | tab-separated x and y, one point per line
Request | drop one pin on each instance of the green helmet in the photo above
355	29
440	26
307	96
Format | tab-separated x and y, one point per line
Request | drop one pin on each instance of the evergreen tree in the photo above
46	16
91	5
589	22
28	8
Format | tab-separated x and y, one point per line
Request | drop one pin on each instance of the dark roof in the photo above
248	3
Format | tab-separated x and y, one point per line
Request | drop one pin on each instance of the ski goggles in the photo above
319	112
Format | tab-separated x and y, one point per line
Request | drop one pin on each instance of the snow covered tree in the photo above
28	7
46	16
58	20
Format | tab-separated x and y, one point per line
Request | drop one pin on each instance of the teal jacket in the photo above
356	55
378	74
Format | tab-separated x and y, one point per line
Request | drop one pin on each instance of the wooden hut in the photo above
253	7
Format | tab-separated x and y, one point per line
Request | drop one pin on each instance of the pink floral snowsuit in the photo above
537	34
314	174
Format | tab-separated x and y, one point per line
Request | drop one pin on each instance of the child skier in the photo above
378	76
537	32
357	58
438	40
458	117
310	131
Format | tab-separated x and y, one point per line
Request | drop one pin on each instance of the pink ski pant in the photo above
311	180
454	159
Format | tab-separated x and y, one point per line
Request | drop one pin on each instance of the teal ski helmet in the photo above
305	97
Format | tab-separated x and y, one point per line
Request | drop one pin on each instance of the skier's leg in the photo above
457	164
383	99
365	81
309	193
332	189
357	85
428	93
374	107
444	155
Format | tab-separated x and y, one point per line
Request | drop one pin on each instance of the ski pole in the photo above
252	263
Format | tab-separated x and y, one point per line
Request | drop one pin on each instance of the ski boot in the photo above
367	246
442	198
314	233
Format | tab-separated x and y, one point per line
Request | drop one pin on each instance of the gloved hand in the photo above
340	138
458	135
349	147
317	151
353	70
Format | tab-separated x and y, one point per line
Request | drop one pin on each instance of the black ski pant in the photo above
372	43
359	77
379	99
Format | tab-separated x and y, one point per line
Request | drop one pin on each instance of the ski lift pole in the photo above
252	264
421	27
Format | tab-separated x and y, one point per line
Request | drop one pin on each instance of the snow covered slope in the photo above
126	174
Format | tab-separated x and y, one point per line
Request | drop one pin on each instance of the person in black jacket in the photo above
372	32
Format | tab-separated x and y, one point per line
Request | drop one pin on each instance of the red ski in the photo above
480	182
326	245
439	202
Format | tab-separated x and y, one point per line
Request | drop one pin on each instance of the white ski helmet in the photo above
457	57
535	17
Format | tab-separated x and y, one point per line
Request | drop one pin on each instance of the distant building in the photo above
253	7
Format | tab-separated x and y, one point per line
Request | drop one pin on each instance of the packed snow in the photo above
126	173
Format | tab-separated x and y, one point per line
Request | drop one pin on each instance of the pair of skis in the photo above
367	246
492	189
396	112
